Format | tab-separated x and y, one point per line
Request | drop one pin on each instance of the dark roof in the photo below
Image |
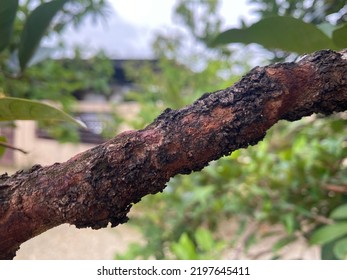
119	75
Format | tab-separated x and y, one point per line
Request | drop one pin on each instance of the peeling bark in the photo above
99	186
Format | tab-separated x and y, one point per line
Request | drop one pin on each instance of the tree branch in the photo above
99	186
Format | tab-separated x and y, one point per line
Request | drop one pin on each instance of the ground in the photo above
69	243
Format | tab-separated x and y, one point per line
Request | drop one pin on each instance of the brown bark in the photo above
99	186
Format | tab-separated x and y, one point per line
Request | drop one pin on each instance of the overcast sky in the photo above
133	23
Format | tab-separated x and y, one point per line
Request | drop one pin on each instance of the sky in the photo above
132	25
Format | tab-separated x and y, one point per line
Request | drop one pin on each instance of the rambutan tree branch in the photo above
99	186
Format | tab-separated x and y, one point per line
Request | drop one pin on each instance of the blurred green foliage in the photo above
286	26
57	79
27	68
291	186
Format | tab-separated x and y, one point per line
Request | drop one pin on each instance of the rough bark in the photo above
99	186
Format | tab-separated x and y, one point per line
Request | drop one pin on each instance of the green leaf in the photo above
285	33
2	148
340	36
340	249
185	249
289	223
23	109
35	28
204	239
283	242
339	212
327	251
8	9
328	233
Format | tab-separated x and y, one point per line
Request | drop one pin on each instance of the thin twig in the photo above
4	144
336	188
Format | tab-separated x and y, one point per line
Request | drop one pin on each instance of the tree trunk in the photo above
99	186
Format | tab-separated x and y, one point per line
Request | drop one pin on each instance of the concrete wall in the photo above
41	151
